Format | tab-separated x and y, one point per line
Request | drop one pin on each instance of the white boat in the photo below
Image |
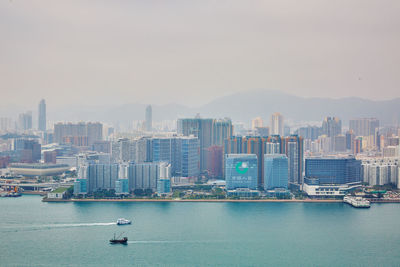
122	221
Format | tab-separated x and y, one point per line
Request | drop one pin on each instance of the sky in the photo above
95	52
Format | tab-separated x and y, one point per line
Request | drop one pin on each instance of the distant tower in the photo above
277	127
42	115
149	118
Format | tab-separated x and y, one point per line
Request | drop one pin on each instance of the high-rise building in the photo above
28	149
91	132
241	171
144	175
277	124
256	123
339	143
294	152
42	116
202	129
331	126
221	130
188	162
309	132
215	161
25	121
275	171
149	118
364	126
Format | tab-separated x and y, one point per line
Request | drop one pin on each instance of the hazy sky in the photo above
192	51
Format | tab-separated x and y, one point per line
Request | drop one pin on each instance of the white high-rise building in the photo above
277	126
256	123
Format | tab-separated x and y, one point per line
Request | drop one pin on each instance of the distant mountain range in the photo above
243	107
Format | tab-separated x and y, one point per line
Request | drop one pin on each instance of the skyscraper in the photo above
275	171
42	115
277	126
294	152
256	123
364	126
25	121
149	118
201	128
331	126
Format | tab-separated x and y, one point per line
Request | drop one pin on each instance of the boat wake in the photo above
15	228
172	241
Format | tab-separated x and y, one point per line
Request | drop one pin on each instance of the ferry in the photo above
122	221
357	202
115	240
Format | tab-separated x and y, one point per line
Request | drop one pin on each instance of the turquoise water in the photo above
33	233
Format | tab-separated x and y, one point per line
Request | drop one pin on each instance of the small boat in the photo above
122	221
117	240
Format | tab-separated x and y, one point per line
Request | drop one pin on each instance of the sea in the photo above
36	233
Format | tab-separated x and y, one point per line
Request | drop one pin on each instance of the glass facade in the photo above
334	170
275	171
241	171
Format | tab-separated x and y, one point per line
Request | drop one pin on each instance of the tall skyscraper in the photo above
294	152
277	124
149	118
275	171
331	126
201	128
42	115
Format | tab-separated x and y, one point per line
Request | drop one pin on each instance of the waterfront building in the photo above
241	171
102	176
277	124
122	187
80	186
42	115
380	171
333	170
37	169
275	171
143	175
149	119
314	189
164	187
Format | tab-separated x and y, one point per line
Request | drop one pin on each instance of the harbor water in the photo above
35	233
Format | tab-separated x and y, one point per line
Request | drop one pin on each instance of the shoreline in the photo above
219	200
197	200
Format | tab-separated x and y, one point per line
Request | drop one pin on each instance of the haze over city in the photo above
119	52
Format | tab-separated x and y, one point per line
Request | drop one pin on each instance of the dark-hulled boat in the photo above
118	240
